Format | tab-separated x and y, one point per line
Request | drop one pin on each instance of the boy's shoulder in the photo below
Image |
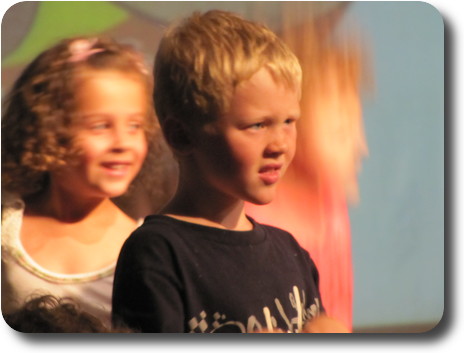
277	234
157	234
284	240
154	225
270	228
156	220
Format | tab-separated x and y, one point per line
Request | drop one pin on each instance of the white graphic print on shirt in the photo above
202	323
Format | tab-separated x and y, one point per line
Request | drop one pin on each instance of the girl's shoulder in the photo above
12	216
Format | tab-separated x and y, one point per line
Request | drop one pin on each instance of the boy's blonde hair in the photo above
201	61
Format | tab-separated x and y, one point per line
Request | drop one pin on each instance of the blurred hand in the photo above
324	324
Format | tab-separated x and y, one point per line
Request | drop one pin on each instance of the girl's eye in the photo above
135	125
99	126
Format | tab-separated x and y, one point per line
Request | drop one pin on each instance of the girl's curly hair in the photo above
49	314
37	124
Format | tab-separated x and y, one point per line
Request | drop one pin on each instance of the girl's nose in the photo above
121	138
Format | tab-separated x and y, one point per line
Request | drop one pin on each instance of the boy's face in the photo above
245	152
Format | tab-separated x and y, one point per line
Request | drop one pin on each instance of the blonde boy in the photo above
227	97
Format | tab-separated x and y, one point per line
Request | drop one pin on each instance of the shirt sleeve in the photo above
147	293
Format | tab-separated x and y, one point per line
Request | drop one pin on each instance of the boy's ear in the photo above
177	136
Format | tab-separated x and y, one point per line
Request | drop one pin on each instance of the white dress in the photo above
23	278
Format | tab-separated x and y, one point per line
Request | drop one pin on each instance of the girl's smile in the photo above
110	135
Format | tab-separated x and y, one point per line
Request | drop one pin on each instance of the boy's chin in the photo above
261	201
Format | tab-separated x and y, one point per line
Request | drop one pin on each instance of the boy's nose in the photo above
278	143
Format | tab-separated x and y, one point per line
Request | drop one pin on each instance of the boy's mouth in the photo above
270	173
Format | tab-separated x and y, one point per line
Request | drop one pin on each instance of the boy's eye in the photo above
257	126
290	121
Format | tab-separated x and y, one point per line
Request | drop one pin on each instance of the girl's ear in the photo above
178	136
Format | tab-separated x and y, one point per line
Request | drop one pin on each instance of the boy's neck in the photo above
197	205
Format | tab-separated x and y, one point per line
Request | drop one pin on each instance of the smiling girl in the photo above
75	133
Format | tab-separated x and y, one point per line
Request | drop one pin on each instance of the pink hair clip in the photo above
140	63
81	49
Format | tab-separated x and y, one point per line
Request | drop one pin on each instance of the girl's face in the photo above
111	114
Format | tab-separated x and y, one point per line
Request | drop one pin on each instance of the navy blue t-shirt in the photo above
177	276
